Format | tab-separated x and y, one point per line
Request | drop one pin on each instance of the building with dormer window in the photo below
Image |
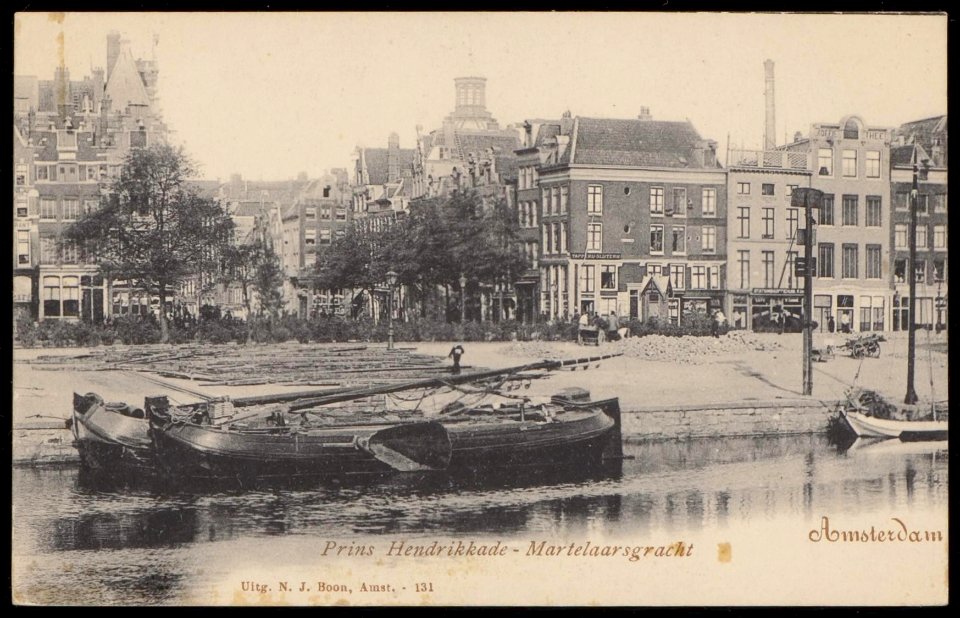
70	142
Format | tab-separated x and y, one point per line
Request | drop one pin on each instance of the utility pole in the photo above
911	397
808	199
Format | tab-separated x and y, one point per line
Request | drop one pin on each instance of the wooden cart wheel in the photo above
875	351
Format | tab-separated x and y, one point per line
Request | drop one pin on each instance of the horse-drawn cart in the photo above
865	345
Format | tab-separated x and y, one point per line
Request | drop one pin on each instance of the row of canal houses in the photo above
642	217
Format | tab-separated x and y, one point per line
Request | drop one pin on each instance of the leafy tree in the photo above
440	240
152	226
268	281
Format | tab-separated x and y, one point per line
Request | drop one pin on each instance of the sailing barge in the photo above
290	436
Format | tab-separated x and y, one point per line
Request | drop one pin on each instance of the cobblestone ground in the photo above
652	371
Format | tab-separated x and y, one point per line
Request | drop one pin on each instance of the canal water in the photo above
80	542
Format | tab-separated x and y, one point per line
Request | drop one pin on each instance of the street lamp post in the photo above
941	305
392	281
911	396
463	298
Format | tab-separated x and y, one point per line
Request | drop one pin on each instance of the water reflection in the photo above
676	485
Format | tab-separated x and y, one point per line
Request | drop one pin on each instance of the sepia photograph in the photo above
479	309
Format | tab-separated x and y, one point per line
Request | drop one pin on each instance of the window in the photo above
594	200
709	239
546	237
874	211
790	268
767	188
900	238
71	297
66	140
825	260
900	270
679	235
679	202
341	214
790	189
921	237
48	249
939	236
69	252
743	216
48	208
873	164
825	161
743	260
698	277
713	277
939	203
22	210
563	199
93	172
21	174
594	237
677	278
769	270
71	209
826	210
768	222
743	188
654	270
873	267
865	313
90	206
558	238
51	296
310	237
708	202
547	197
939	270
555	198
586	278
656	239
43	172
608	277
793	222
23	247
324	212
923	201
851	130
563	237
310	214
324	237
920	271
850	259
656	200
850	163
901	201
850	208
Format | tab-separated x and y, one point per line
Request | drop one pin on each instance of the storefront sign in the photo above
777	291
596	256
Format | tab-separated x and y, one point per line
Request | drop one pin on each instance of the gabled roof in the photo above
248	208
377	163
479	143
935	124
902	156
126	86
660	282
636	143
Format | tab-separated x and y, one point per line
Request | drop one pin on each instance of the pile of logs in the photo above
283	364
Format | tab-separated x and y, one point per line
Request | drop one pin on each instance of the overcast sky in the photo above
269	95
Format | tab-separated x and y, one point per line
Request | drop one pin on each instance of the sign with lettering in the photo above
596	256
776	291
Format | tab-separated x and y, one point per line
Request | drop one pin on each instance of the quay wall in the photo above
50	443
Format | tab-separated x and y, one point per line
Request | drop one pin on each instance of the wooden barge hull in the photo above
110	442
192	451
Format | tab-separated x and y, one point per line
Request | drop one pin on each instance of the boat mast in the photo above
911	397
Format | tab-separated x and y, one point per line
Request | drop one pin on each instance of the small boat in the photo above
110	436
568	430
870	416
872	427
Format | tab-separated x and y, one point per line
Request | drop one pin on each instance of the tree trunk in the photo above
246	305
164	330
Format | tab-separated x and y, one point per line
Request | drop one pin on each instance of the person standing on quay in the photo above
455	353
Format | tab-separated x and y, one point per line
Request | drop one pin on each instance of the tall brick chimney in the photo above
769	127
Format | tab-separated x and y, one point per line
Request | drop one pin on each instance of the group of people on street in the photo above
605	328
